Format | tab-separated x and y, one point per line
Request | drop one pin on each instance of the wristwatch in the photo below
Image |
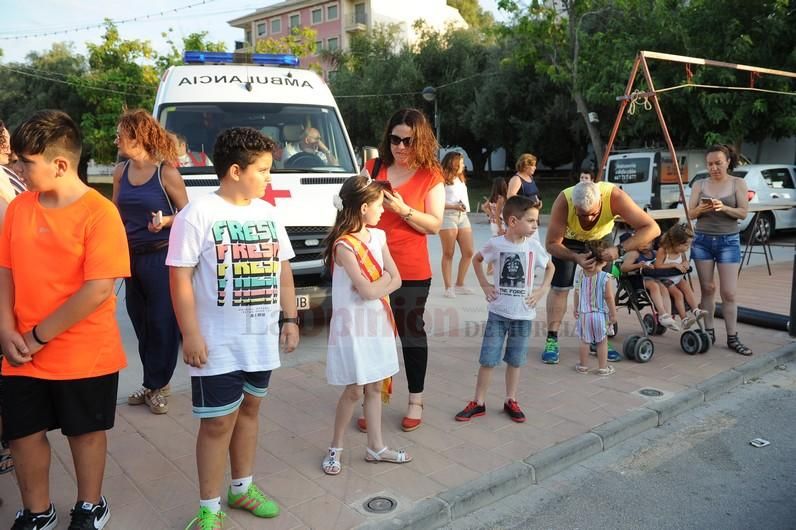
289	320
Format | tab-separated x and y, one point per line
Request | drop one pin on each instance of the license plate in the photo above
302	302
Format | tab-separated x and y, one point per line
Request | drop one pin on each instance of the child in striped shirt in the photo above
594	311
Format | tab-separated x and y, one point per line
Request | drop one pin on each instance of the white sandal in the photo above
331	464
387	455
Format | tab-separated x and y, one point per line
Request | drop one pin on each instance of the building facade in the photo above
337	21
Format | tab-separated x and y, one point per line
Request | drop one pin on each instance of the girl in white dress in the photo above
362	350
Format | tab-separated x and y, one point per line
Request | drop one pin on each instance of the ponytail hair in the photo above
355	191
139	125
729	152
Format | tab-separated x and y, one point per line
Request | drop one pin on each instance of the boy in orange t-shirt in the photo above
62	247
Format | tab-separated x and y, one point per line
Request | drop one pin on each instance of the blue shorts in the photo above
222	394
721	249
497	327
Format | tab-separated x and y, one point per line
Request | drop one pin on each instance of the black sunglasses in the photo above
395	140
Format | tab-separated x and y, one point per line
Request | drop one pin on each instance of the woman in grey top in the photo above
718	203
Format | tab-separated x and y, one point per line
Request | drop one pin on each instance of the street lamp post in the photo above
430	94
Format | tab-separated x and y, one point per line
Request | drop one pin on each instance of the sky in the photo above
44	16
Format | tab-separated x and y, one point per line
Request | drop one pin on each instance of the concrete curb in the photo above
633	423
553	460
487	489
677	404
455	503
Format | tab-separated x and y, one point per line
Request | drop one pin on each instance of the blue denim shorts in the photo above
721	249
497	328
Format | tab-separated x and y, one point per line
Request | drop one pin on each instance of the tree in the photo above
193	42
115	80
472	12
42	81
373	79
552	38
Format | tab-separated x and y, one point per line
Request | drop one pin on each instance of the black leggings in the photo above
408	305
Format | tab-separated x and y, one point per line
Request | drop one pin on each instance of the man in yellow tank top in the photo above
582	213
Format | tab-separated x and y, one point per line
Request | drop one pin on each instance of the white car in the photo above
766	183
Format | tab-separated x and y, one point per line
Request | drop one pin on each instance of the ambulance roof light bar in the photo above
263	59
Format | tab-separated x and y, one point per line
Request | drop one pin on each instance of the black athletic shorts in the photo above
564	276
76	406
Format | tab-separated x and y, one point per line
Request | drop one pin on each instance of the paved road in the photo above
698	471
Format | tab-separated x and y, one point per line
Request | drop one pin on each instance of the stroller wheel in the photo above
703	335
690	342
650	324
644	350
629	346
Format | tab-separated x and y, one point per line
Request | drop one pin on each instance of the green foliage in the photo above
472	12
42	82
115	80
193	42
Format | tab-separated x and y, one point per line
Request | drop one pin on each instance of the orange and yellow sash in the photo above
371	269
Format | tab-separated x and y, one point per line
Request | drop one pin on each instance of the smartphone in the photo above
759	442
386	185
707	200
158	219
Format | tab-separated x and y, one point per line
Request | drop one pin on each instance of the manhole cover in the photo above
650	392
380	505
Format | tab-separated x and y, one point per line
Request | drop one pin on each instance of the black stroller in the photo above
632	294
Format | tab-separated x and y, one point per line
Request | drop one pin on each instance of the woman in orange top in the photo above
408	161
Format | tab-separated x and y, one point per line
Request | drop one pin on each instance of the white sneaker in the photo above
699	313
689	321
668	322
463	289
450	293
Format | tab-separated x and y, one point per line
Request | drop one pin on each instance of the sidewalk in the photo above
151	473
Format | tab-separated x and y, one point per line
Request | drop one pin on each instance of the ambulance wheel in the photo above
629	346
705	338
643	350
690	342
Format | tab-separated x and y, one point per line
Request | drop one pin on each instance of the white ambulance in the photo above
213	92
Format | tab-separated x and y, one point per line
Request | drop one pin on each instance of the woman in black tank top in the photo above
522	182
718	203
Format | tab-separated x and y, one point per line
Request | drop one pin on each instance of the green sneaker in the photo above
206	520
254	501
550	353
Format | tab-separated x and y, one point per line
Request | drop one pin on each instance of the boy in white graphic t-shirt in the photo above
512	301
230	276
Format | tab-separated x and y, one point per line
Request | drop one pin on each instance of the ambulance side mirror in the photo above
369	153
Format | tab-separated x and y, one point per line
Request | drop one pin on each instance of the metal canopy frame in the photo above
641	62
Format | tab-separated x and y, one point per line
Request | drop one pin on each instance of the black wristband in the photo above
290	320
36	336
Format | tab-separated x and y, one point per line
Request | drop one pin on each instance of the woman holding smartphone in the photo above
718	203
412	211
148	193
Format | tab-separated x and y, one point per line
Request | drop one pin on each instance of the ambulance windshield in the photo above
309	139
